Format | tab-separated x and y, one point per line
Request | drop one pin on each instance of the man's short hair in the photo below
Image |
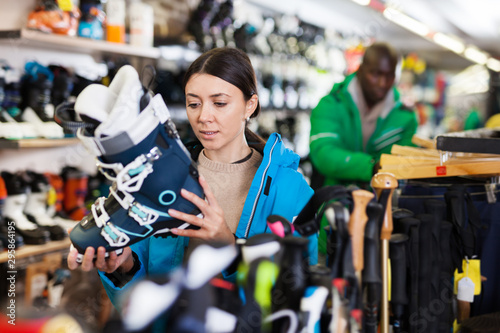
381	49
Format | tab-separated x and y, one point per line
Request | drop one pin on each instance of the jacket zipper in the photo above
254	207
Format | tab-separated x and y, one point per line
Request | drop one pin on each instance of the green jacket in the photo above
336	141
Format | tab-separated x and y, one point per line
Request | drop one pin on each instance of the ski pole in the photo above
437	209
399	295
384	183
337	216
291	281
409	226
371	270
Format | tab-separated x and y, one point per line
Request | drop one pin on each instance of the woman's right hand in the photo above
113	262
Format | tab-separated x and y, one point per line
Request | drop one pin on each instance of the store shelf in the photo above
75	44
33	250
37	143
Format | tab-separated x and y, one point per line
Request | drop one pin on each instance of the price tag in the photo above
441	170
465	290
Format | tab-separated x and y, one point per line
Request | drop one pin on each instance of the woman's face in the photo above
217	112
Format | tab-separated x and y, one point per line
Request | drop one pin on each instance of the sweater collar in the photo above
253	161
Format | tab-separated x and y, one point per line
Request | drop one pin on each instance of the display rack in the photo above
468	163
414	163
75	44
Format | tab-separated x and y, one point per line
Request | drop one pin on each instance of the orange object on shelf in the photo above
3	190
51	19
115	21
115	33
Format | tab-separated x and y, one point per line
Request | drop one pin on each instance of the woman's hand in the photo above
123	262
213	226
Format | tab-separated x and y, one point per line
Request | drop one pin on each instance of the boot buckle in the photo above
113	236
142	214
153	155
131	177
99	213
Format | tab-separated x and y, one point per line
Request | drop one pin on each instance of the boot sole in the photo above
79	257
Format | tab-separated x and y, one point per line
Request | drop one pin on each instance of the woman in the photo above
244	179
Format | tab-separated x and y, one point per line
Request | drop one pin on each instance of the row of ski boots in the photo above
25	208
27	100
137	147
43	206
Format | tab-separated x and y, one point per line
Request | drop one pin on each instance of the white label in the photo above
465	290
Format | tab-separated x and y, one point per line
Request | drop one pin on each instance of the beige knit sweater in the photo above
230	183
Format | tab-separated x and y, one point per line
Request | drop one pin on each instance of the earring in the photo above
248	119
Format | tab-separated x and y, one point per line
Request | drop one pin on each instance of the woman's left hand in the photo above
213	226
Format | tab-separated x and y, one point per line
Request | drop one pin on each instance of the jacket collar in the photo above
341	87
274	149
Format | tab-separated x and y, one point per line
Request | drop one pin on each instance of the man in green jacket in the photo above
360	119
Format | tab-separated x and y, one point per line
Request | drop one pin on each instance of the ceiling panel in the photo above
476	22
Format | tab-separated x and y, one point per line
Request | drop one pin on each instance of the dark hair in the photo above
381	50
231	65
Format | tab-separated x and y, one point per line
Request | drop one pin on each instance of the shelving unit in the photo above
37	143
18	44
80	45
33	250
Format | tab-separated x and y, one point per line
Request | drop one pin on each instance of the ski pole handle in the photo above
371	269
280	226
356	226
384	184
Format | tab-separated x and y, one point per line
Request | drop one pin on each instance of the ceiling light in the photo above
475	55
362	2
448	42
406	22
493	64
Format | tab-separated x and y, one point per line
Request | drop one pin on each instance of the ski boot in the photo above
17	195
55	197
8	130
92	20
10	112
75	192
36	87
138	148
36	205
8	238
